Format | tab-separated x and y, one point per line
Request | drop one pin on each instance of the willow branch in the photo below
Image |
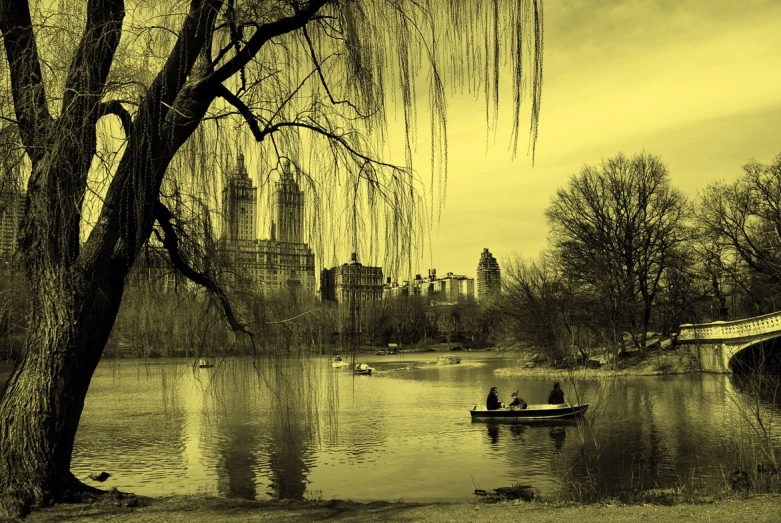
265	33
92	60
227	95
170	241
318	68
323	132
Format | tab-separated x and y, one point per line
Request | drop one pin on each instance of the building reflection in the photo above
235	392
292	418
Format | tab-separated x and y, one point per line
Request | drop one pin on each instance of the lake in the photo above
300	429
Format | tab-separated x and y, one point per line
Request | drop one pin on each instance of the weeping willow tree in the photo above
116	101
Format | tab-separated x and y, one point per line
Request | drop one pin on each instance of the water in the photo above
301	429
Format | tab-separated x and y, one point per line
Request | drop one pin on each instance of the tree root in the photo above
18	501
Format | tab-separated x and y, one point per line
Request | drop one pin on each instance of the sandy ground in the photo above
764	508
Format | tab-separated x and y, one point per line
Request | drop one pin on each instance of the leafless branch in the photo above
170	241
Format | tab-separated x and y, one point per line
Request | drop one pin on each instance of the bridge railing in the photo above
727	330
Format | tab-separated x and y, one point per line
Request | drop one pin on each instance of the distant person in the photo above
517	402
556	396
492	402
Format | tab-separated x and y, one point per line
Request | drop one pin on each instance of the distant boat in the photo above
363	369
448	360
532	413
205	363
338	362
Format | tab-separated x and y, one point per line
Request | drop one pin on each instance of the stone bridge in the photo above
716	344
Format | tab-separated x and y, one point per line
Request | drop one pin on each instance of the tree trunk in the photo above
42	402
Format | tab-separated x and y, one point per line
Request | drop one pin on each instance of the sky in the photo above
697	82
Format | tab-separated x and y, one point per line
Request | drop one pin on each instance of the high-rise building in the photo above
288	208
239	205
489	278
351	281
282	262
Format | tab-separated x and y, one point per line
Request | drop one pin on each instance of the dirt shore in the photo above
764	508
652	363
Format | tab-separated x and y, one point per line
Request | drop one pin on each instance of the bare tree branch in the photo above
92	60
265	33
170	241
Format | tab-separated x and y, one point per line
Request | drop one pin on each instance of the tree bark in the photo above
43	399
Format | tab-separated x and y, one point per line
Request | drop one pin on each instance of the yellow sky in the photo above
697	82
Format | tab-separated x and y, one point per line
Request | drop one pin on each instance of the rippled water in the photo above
301	429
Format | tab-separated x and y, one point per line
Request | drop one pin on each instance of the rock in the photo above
99	476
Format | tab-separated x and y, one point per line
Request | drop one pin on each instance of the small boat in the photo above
363	369
448	360
532	413
338	363
205	363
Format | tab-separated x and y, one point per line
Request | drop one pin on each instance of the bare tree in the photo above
540	306
743	221
615	227
311	73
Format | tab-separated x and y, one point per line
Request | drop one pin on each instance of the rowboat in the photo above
338	363
204	363
537	412
363	369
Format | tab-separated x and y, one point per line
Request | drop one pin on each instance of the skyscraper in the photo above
489	278
239	205
288	208
282	262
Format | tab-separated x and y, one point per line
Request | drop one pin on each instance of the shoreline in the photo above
121	507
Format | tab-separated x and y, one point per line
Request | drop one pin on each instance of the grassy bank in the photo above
651	362
118	508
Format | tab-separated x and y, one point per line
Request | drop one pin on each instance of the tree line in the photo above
629	255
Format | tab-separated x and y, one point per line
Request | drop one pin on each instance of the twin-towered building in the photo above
281	262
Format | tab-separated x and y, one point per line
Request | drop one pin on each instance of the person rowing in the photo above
517	402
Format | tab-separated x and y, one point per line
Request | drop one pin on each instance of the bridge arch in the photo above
763	353
724	346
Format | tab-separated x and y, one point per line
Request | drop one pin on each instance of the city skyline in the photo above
695	82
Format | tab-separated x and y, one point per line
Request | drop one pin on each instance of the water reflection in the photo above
558	435
493	433
293	411
235	404
296	426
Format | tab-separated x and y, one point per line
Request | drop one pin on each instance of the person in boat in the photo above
492	402
517	401
556	396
